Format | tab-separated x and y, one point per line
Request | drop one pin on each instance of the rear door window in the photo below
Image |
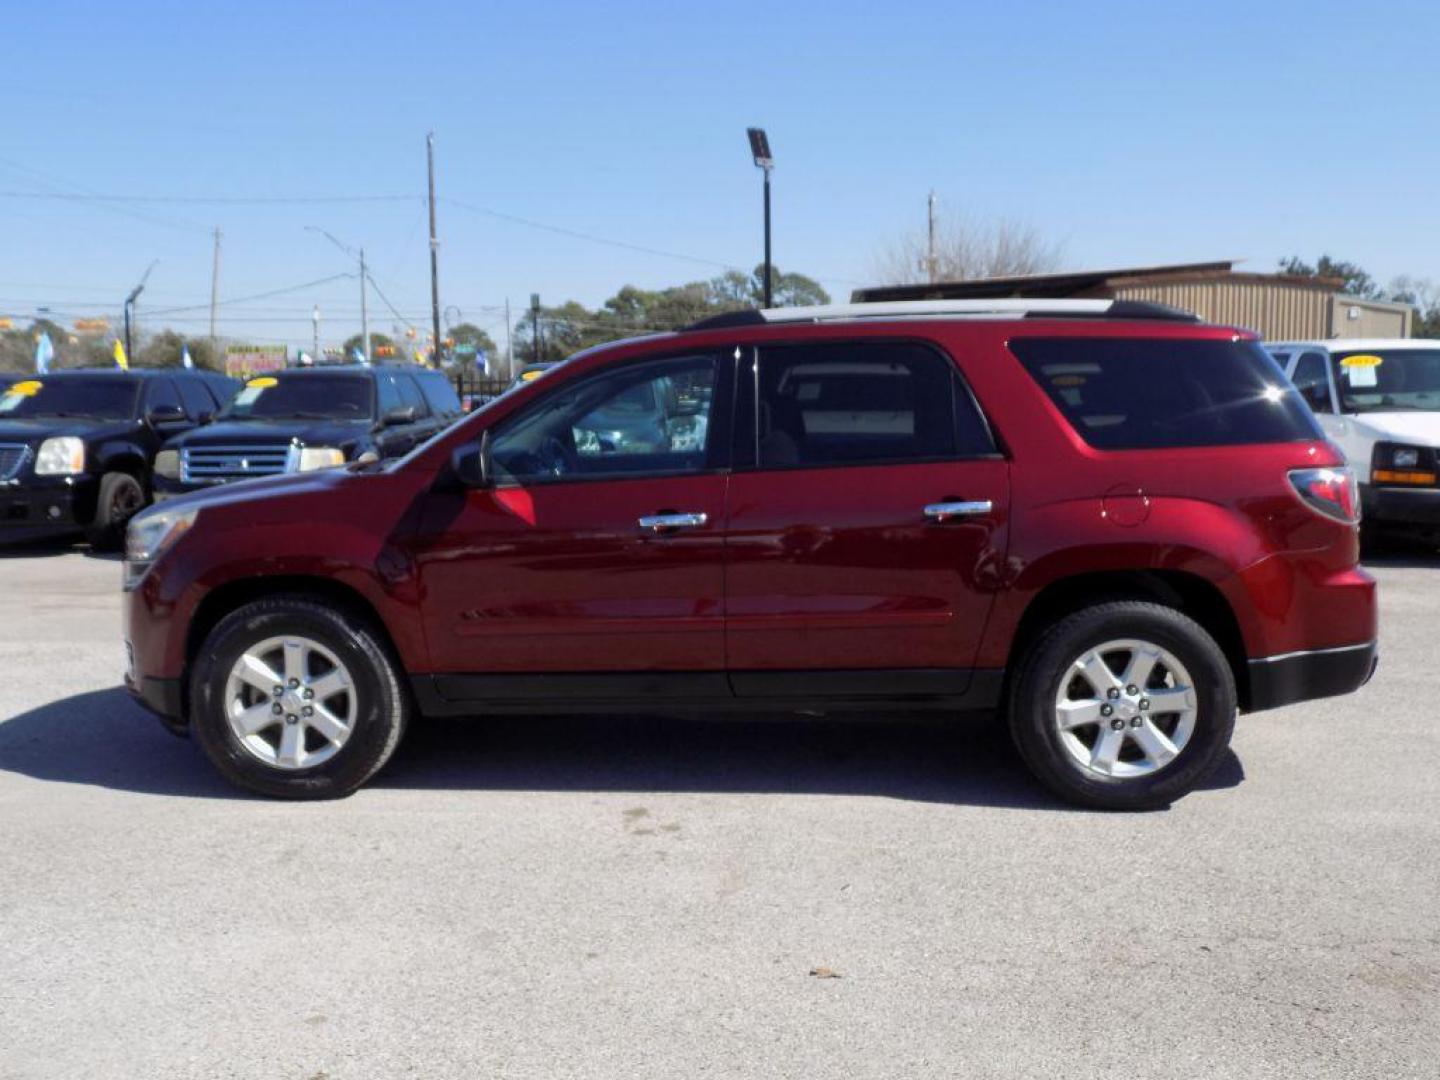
410	396
1312	379
198	402
444	402
1140	393
160	393
861	403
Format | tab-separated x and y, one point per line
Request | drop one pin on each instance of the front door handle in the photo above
947	511
666	522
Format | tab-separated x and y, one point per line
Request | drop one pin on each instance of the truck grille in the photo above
217	464
12	459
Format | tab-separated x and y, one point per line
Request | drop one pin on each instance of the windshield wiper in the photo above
69	415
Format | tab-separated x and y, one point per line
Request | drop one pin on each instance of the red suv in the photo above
1110	522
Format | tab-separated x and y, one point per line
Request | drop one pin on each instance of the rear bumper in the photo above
1400	507
1304	676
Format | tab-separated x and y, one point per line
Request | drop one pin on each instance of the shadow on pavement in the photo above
52	549
105	739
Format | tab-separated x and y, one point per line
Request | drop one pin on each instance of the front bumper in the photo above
163	697
38	507
1304	676
1400	507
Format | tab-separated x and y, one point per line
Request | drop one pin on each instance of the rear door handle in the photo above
946	511
665	522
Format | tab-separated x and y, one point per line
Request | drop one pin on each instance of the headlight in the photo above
167	464
1402	465
64	456
1406	457
320	457
150	533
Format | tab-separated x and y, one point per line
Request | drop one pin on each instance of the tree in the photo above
967	250
1355	281
355	343
735	290
1424	294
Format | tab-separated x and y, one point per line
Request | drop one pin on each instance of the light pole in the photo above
315	319
535	323
364	309
760	151
130	305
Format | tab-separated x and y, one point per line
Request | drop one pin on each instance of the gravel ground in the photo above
603	898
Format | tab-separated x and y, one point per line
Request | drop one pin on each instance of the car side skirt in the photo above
718	691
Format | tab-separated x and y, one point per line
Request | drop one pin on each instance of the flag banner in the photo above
44	353
185	357
121	360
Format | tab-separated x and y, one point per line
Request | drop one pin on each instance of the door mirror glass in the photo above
401	414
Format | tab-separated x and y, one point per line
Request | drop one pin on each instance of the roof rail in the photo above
1008	307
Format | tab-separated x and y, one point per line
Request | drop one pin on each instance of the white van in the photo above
1379	401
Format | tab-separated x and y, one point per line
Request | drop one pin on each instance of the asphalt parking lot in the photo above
602	898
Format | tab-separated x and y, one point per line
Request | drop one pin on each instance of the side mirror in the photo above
402	414
471	463
166	414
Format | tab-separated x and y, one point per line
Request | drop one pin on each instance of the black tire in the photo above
119	498
382	708
1050	658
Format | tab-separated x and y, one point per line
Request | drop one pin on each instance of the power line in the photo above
257	296
63	196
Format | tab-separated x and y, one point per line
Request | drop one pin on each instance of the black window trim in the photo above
1327	361
753	351
722	415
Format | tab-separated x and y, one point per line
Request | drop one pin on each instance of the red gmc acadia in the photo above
1110	522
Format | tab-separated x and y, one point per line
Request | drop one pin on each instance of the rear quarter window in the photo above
1151	393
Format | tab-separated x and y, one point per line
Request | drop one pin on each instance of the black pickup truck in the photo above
310	418
77	448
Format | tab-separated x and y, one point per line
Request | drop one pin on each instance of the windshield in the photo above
1383	380
99	398
303	397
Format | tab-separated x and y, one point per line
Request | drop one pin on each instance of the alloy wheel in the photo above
290	702
1125	708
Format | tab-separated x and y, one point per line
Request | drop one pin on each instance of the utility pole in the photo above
364	310
930	249
535	323
509	349
315	318
214	288
760	151
130	306
434	248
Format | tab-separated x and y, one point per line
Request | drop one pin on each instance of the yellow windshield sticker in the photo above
29	388
262	384
1362	360
526	376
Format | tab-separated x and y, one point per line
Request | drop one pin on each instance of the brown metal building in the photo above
1278	306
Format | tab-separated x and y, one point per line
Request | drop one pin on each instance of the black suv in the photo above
77	447
310	418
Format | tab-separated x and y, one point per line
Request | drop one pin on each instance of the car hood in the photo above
1417	428
306	432
238	492
48	427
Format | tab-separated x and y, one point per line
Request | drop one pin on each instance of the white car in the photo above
1379	401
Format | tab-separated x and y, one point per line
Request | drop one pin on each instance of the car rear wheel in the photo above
294	699
1123	706
120	497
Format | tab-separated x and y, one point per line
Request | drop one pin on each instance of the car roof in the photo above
1003	308
1357	344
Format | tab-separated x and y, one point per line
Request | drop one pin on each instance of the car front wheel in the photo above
1123	706
292	698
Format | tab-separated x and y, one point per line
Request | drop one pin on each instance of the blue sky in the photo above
1129	133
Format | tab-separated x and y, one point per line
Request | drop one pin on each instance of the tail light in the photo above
1331	492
